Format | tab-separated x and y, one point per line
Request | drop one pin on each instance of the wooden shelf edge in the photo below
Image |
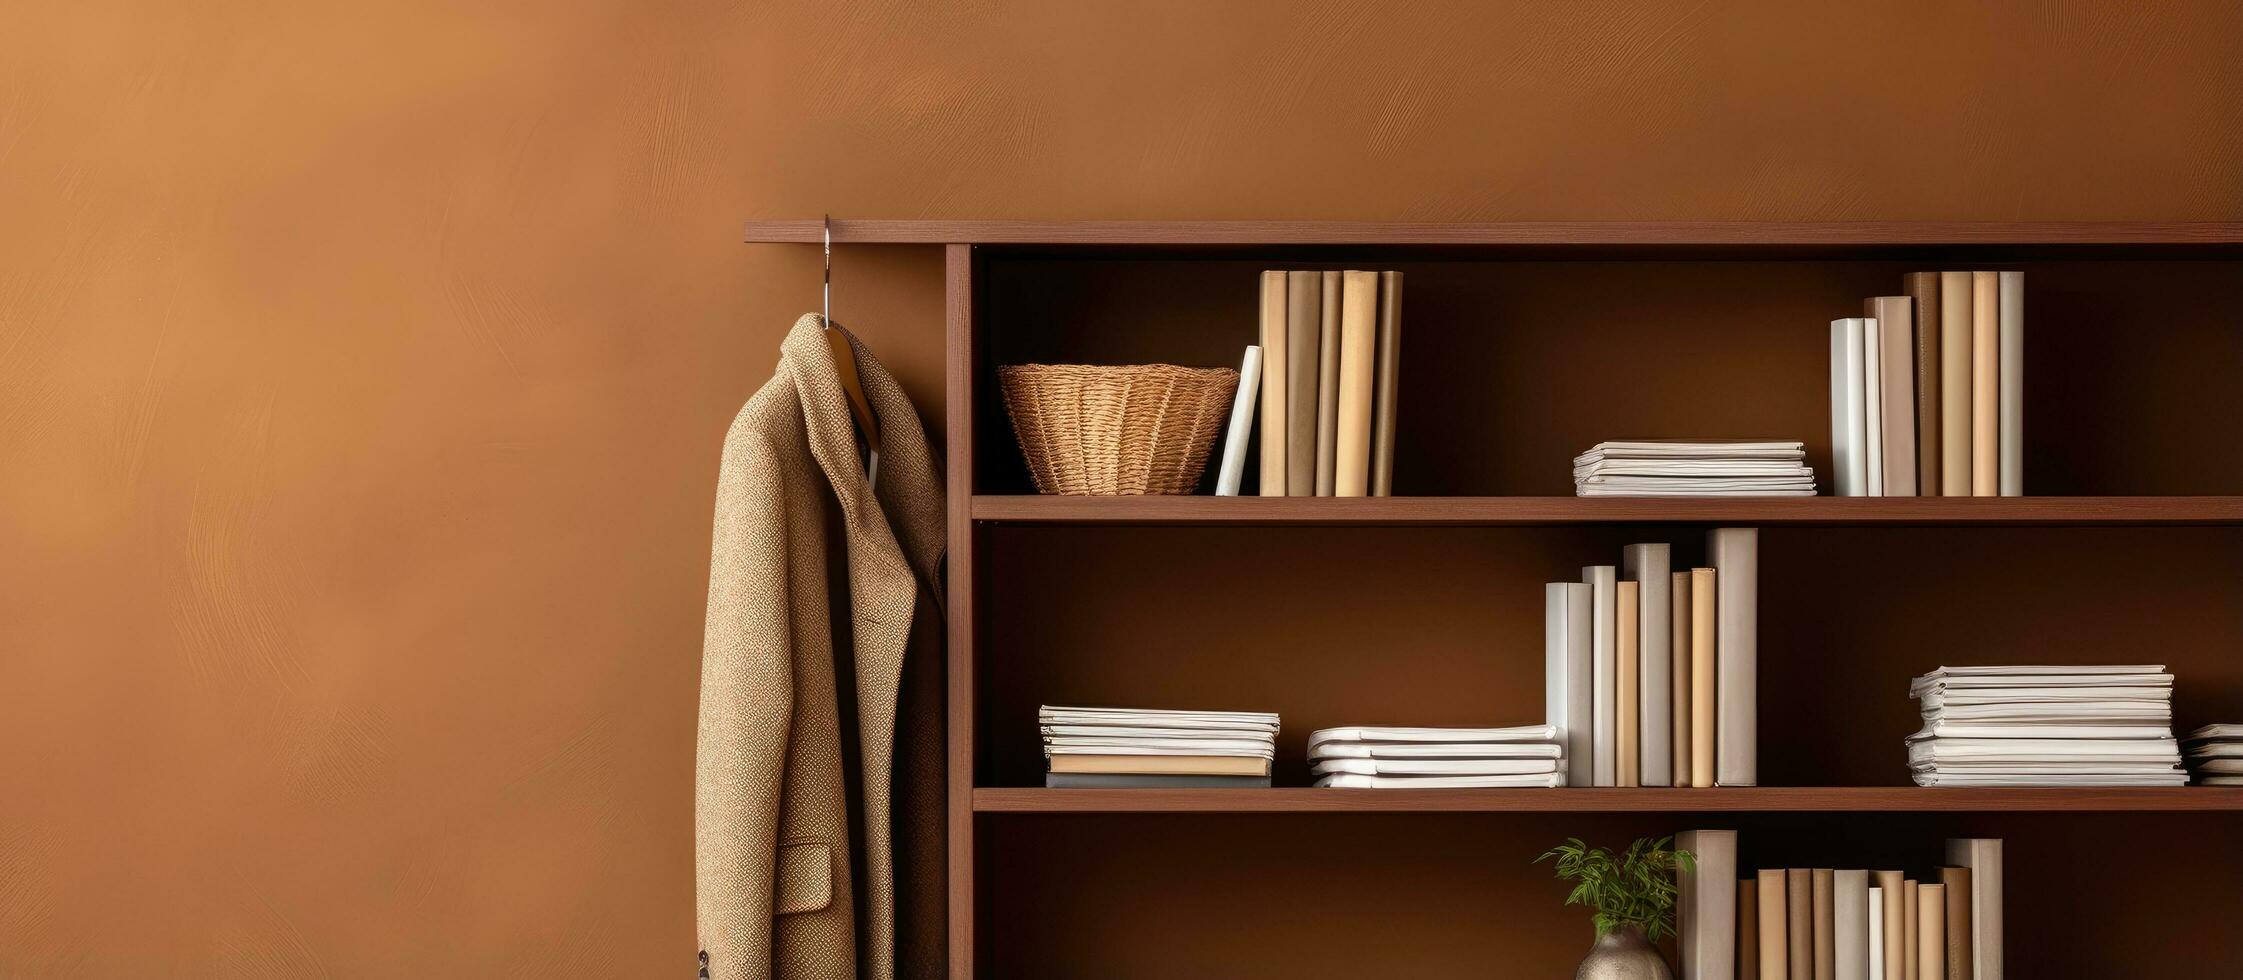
1735	800
1032	509
1031	232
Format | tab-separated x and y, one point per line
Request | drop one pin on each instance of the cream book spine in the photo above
2012	477
1327	380
1954	383
1704	699
1983	856
1304	305
1985	384
1273	386
1627	634
1735	553
1706	905
1603	675
1242	423
1872	408
1850	905
1774	922
1359	301
1567	697
1931	932
1678	632
1848	432
1876	933
1650	566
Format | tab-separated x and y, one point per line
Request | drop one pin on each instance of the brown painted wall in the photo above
362	366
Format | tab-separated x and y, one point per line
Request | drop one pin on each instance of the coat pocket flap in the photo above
805	873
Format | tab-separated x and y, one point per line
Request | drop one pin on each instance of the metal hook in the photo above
826	301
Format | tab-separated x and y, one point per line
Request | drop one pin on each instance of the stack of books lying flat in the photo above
1434	758
1137	747
2046	726
1663	468
2215	755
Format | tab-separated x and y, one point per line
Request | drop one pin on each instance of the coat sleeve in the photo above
747	701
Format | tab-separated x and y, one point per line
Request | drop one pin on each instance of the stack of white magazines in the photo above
1664	468
1138	747
1432	758
2215	755
2046	726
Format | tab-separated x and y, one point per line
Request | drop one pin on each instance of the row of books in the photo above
1140	747
1837	924
2098	725
2215	755
1385	757
1927	390
1326	374
1669	468
1649	672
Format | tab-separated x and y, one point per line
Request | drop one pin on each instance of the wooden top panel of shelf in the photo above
1025	232
1735	800
1032	509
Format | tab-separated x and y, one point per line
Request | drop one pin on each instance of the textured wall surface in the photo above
362	366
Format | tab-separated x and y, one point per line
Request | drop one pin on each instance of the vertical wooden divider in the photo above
958	411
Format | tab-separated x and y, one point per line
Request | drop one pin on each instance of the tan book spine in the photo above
1679	632
1923	292
1826	925
1889	884
1956	882
1985	384
1799	919
1358	372
1896	355
1931	932
1389	381
1748	929
1304	311
1274	406
1775	931
1954	384
1327	380
1702	653
1629	636
1908	919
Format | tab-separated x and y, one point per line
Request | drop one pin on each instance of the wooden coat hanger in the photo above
845	368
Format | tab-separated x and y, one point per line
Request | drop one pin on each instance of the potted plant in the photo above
1633	895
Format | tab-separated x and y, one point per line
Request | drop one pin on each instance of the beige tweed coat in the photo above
818	800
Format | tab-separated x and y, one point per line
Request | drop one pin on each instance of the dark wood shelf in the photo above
1663	233
1738	800
1029	509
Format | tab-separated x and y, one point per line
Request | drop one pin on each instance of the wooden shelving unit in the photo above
1523	344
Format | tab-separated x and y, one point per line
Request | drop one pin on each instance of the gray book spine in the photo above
1706	910
1850	900
1649	566
1735	554
1604	673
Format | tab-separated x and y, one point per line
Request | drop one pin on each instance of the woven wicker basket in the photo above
1115	431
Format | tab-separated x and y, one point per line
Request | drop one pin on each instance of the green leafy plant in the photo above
1636	887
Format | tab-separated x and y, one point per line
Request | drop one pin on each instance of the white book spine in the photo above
1706	906
1877	934
1873	408
1648	565
1847	426
1566	674
1242	423
2012	483
1850	902
1604	654
1735	554
1983	856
